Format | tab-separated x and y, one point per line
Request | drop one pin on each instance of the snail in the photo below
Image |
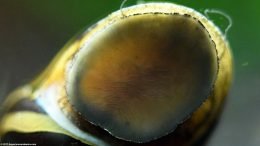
150	74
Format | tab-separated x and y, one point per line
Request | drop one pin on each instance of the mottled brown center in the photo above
144	74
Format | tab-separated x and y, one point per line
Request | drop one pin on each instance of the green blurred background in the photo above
32	32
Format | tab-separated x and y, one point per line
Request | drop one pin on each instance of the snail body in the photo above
150	74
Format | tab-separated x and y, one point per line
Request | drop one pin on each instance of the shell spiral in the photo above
150	74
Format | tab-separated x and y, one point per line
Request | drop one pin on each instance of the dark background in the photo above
33	31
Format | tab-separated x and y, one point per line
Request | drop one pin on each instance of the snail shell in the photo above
155	73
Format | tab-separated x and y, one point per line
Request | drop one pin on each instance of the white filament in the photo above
215	11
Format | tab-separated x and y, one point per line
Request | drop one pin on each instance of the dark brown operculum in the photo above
144	75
